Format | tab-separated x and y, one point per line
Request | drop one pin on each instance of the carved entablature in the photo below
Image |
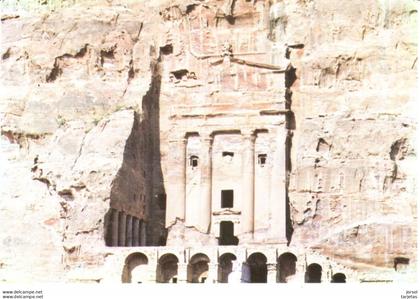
225	215
232	72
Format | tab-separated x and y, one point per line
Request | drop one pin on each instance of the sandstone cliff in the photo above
85	100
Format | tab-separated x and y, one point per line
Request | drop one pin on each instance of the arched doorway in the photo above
338	278
313	273
225	267
167	269
257	264
135	268
401	263
198	268
286	267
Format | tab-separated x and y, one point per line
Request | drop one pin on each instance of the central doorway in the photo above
227	236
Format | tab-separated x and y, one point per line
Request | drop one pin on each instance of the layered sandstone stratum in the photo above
87	106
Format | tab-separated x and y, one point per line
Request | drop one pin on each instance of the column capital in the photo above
206	135
179	139
249	134
207	139
271	267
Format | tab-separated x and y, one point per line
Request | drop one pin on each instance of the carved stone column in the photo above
248	168
206	183
271	273
152	272
136	232
129	230
143	236
122	229
236	274
325	274
114	227
175	191
212	273
299	276
246	273
182	273
241	257
277	232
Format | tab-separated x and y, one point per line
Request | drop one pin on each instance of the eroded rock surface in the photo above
91	92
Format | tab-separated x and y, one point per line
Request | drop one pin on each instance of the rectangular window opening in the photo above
262	159
227	154
227	199
193	161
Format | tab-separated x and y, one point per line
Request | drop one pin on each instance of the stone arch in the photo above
226	266
198	268
401	263
256	270
313	273
338	278
167	269
286	267
135	268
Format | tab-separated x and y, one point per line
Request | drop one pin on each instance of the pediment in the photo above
226	212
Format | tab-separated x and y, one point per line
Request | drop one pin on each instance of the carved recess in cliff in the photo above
74	83
225	80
